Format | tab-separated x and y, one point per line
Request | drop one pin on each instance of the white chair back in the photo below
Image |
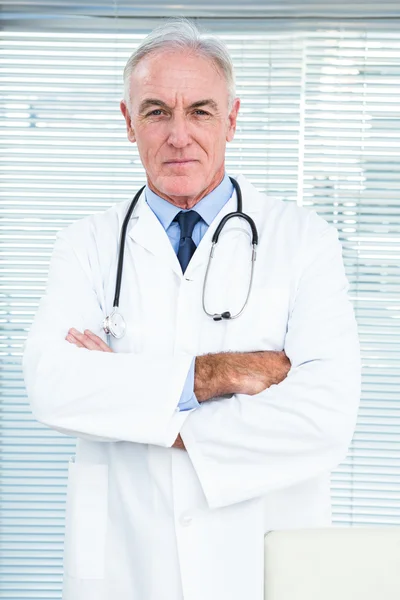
352	563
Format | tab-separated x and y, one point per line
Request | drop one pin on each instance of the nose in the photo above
179	135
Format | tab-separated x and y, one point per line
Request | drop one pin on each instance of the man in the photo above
195	436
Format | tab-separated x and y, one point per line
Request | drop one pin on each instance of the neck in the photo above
187	202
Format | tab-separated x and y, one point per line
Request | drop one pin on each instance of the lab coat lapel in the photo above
146	230
251	206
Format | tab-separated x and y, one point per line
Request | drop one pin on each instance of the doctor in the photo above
194	436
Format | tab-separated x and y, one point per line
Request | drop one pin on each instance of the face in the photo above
180	120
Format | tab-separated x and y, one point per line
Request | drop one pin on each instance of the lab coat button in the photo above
185	520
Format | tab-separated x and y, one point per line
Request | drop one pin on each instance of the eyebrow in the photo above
155	102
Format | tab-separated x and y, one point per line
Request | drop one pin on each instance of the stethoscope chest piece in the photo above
115	324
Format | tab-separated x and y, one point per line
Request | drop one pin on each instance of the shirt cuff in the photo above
188	397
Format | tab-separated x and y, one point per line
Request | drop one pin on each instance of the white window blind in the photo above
18	10
319	125
351	177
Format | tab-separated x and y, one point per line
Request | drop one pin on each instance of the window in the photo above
319	125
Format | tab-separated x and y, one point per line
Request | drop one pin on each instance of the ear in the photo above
232	120
129	129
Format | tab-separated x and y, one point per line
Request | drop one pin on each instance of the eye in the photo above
201	112
154	113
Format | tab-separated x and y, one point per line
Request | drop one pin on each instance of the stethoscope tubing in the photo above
122	247
119	322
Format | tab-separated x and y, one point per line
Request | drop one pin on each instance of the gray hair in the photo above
182	34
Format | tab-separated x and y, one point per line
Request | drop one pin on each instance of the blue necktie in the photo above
187	221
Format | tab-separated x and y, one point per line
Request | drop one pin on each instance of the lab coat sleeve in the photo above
99	396
188	398
247	446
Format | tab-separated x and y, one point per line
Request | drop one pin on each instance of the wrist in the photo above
213	377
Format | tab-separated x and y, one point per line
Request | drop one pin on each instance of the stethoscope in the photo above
115	324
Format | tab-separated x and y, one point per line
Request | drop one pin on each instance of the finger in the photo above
70	338
79	335
90	342
84	339
102	345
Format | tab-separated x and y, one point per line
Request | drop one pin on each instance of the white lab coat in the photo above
149	522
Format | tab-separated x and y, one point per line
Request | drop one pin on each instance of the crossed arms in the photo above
215	374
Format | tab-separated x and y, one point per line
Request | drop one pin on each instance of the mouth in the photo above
179	162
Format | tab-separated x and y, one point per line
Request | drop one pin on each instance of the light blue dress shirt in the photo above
208	208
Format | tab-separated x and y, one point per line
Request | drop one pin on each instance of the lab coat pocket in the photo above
86	520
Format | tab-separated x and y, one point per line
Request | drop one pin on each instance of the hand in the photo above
178	443
259	370
87	339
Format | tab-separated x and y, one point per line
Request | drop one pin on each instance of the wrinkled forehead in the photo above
171	74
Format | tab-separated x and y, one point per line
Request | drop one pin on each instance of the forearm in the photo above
238	373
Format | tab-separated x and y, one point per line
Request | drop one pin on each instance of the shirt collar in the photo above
208	207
